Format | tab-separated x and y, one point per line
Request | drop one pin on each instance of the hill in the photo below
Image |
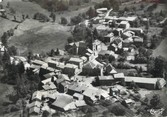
39	37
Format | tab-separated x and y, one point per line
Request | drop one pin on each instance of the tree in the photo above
118	111
12	51
52	53
21	68
64	21
76	19
41	17
4	39
164	31
155	101
53	16
91	12
158	70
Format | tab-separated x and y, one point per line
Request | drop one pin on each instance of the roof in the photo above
49	75
37	95
23	59
49	86
64	76
78	95
71	66
119	75
75	60
84	58
38	62
110	35
104	52
34	110
35	104
130	18
142	80
48	80
138	39
63	100
110	69
117	41
91	92
106	77
77	87
80	103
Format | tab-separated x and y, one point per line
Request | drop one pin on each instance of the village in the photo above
105	75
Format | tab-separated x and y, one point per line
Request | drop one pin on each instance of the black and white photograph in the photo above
83	58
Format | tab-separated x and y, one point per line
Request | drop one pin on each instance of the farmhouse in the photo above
76	61
63	102
105	80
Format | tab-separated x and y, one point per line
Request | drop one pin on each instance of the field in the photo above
36	36
6	25
39	37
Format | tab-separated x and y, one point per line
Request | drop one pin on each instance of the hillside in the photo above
39	37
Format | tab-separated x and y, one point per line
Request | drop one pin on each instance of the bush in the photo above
64	21
41	17
118	111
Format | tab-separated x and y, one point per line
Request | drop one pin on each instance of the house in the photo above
119	77
34	111
108	38
97	47
138	41
78	96
148	83
137	31
47	71
124	25
52	64
49	86
116	44
91	94
71	69
35	104
80	103
63	102
127	34
101	10
89	54
92	68
76	88
105	80
63	87
38	62
76	61
49	75
37	95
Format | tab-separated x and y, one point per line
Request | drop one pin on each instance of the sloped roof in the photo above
63	100
106	77
37	95
119	75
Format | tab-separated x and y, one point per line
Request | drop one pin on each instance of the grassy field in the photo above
6	25
40	37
